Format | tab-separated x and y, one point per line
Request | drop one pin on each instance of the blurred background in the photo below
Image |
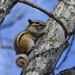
15	22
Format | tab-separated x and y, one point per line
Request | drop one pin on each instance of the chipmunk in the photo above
25	40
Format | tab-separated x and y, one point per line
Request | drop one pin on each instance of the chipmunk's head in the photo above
35	27
21	60
37	24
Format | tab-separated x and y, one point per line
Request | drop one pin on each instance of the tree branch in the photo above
6	47
70	71
46	12
48	49
5	7
49	14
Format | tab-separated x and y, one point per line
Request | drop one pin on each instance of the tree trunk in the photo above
5	7
48	48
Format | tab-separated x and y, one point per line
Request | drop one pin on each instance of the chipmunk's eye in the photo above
37	22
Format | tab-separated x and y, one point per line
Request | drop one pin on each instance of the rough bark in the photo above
48	48
5	7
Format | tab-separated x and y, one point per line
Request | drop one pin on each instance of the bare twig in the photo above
6	47
6	39
69	71
71	33
46	12
49	14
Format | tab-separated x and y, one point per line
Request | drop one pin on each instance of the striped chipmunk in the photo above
26	39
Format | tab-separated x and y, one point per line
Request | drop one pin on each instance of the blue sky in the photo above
17	20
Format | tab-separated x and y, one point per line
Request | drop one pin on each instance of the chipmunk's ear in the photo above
30	21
